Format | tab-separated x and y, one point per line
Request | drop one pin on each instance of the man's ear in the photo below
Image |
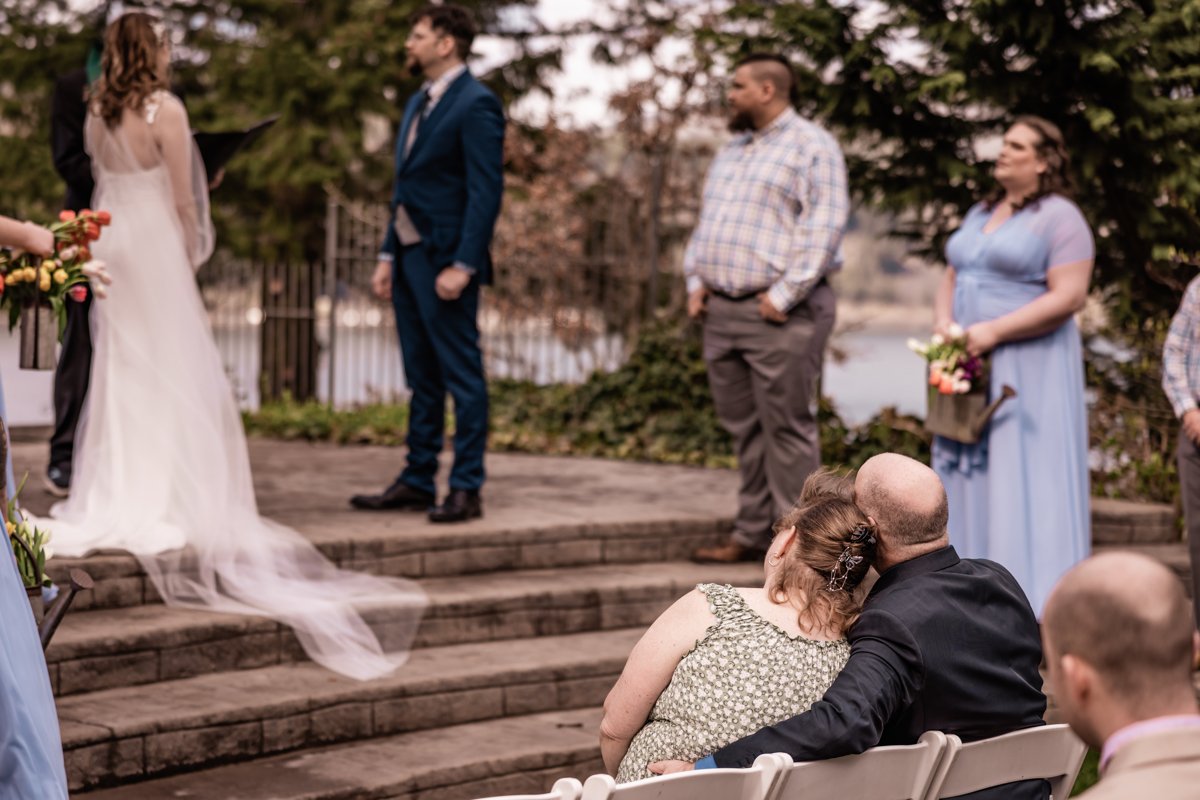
1079	679
766	91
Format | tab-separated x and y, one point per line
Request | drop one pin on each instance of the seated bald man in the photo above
1119	647
943	643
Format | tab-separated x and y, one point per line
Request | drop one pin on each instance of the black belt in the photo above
751	295
733	298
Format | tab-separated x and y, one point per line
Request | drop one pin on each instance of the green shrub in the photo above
657	407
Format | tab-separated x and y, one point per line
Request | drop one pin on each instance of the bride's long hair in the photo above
129	66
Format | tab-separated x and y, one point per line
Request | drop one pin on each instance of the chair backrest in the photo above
755	783
563	789
1051	752
881	773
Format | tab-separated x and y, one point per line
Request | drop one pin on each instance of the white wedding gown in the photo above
162	468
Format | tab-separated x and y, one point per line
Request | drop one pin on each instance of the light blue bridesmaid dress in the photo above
1020	496
31	755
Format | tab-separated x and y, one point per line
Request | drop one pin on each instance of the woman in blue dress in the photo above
1018	270
31	756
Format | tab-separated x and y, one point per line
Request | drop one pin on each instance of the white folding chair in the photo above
1050	752
563	789
899	772
755	783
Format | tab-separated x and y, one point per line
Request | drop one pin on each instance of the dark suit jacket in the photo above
452	181
944	644
68	110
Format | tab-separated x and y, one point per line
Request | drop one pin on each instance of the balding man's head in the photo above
906	499
1128	617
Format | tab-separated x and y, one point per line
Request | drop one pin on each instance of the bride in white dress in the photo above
163	470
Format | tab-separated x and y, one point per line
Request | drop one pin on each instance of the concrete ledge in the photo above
1125	522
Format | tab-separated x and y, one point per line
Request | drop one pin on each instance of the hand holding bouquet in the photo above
952	370
29	281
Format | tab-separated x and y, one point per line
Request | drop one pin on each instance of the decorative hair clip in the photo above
840	574
862	534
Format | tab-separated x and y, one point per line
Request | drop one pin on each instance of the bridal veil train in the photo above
162	469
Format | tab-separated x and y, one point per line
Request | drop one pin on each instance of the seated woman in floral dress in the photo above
722	663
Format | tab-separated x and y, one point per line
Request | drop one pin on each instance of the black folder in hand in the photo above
217	147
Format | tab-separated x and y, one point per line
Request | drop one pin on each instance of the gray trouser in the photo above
764	379
1189	488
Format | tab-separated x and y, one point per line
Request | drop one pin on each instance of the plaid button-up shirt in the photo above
775	208
1181	353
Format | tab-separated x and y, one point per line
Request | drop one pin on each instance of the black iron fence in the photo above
315	331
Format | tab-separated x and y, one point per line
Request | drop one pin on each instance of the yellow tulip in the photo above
30	274
11	528
44	283
49	264
60	276
14	277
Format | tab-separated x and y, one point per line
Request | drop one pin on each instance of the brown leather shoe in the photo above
729	553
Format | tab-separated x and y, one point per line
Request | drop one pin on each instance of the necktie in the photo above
405	229
418	115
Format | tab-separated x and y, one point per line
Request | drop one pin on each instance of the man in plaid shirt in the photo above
1181	382
775	208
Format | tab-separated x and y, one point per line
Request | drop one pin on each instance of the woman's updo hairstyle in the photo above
821	573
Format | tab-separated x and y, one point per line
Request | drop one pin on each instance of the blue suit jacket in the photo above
452	181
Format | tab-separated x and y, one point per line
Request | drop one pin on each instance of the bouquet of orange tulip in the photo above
36	289
29	280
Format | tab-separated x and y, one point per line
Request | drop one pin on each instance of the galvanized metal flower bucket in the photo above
963	417
39	336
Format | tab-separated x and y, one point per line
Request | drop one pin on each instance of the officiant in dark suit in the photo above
68	110
943	643
445	200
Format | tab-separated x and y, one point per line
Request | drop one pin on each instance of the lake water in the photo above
879	371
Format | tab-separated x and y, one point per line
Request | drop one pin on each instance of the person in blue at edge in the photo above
31	760
1018	271
449	181
910	669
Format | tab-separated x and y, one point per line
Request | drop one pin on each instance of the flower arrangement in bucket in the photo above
35	290
958	406
31	549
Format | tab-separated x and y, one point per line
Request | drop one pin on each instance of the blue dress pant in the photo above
439	342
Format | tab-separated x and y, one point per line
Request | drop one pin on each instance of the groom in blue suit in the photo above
449	180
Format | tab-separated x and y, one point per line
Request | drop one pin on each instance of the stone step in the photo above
400	546
137	732
1126	522
513	755
125	647
121	582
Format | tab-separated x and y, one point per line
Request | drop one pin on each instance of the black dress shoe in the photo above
397	497
460	505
